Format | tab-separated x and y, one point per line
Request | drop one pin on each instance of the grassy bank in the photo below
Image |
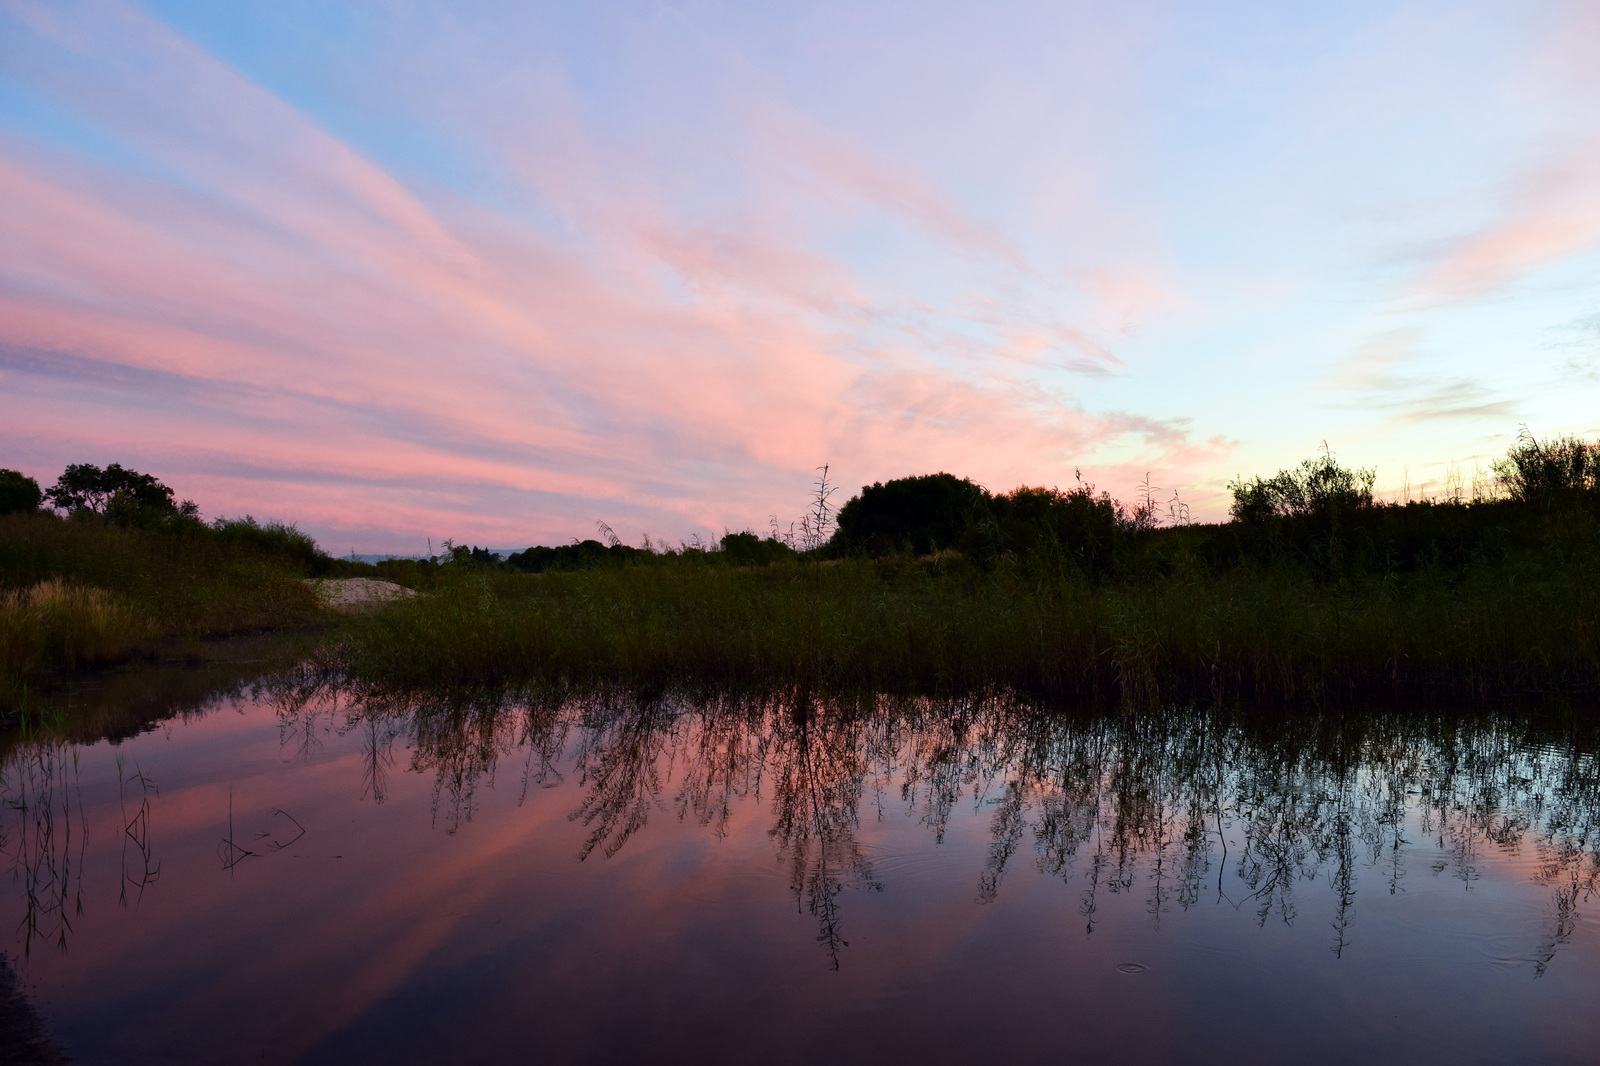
79	592
1314	592
1459	600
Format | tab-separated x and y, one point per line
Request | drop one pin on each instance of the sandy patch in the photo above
358	593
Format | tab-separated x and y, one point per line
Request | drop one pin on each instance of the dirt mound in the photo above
358	593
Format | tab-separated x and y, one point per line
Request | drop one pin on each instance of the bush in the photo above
585	555
18	493
1320	490
272	539
1547	472
1078	525
919	515
747	549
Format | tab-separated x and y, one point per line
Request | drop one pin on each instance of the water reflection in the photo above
1189	806
1180	808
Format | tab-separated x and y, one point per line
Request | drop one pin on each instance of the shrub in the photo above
584	555
271	539
919	515
18	493
747	549
1079	525
1547	472
1319	489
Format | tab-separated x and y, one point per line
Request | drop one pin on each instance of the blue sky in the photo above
496	271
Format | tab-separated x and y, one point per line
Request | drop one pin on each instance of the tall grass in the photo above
1178	629
58	623
82	591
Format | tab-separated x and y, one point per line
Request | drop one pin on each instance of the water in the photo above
285	875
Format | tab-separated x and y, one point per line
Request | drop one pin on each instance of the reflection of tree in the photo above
619	759
1283	816
721	760
817	762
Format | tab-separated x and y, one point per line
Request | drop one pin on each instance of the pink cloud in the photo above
1546	216
281	326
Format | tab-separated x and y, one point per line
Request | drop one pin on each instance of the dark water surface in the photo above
288	876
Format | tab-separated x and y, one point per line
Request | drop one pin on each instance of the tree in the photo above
116	493
747	549
1543	472
910	514
1079	524
19	493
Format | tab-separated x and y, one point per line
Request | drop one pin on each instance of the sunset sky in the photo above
493	271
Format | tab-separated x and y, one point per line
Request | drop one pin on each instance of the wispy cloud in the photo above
271	317
497	270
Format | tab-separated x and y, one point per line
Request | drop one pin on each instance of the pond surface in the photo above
286	875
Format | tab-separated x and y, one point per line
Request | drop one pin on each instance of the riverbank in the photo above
81	593
1313	593
1180	628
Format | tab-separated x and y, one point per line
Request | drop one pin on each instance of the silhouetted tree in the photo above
116	493
910	514
584	555
1077	524
1318	489
1545	472
747	549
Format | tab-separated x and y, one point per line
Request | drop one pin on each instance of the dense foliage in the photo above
123	496
18	493
916	515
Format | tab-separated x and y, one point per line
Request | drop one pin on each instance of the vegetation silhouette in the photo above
19	494
911	515
1315	591
119	495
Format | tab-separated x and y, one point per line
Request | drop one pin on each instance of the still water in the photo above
284	873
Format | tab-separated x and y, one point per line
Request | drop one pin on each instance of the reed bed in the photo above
945	625
78	593
59	623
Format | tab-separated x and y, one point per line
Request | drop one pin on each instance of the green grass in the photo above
1192	615
82	592
1315	595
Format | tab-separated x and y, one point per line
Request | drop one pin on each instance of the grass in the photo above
1315	594
59	623
82	592
1196	615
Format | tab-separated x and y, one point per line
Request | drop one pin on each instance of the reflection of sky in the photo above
407	931
491	271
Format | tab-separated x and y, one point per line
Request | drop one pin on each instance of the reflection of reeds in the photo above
136	831
46	839
1279	816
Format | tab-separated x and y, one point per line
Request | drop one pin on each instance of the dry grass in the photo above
77	593
58	623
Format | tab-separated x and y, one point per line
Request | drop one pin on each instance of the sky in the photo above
399	271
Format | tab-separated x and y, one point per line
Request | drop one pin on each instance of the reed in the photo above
61	623
1176	627
79	592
